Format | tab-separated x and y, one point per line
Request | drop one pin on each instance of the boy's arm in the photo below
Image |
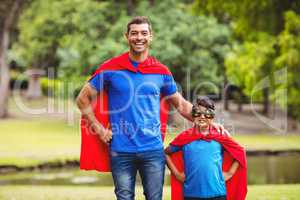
227	175
179	175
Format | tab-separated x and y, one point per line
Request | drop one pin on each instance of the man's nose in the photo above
139	36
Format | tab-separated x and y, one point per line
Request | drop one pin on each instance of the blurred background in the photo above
243	54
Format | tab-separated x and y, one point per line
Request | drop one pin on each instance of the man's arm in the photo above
84	103
183	106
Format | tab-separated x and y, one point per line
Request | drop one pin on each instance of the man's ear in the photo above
151	36
126	35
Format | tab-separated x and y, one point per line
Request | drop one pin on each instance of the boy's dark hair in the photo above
139	20
205	102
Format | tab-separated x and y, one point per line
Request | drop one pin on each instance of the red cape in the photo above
236	187
94	153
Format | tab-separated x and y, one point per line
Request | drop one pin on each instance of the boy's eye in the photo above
206	114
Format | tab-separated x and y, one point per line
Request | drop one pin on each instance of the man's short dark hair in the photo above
205	102
139	20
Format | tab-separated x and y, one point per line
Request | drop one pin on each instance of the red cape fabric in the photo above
94	153
236	187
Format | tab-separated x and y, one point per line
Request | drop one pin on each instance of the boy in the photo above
205	153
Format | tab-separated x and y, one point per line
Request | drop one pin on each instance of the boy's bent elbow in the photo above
167	151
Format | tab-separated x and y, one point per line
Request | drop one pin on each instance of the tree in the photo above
9	12
189	44
251	62
249	17
75	37
62	34
289	44
249	20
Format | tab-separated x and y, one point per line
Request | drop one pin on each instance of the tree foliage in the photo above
268	32
62	33
251	62
75	35
189	44
289	58
249	17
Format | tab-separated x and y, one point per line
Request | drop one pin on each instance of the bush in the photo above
51	87
62	88
18	80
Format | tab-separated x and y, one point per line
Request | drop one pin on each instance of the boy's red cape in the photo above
236	187
94	153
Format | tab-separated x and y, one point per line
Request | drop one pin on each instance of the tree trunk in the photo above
4	84
4	67
225	95
152	3
266	101
240	106
130	7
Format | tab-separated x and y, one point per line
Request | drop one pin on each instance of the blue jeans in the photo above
151	167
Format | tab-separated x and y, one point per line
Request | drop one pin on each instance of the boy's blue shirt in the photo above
203	169
134	107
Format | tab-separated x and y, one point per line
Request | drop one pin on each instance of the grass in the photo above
28	142
263	141
259	192
32	141
269	142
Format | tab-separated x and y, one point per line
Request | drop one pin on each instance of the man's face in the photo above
139	37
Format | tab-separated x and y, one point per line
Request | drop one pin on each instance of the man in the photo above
135	84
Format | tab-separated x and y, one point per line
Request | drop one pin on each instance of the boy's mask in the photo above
208	113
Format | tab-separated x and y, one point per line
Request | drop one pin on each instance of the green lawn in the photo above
28	142
36	140
264	141
259	192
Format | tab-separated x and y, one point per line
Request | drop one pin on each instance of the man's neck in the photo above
138	56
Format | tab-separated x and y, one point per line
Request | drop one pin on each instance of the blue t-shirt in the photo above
134	63
134	107
203	169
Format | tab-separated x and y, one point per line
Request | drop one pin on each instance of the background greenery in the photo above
220	42
48	140
223	42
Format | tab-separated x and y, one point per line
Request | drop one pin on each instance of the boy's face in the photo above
202	118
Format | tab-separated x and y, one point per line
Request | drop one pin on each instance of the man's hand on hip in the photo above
104	134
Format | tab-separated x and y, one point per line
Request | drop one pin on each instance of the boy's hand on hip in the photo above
227	175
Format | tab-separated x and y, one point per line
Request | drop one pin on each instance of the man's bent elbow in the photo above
79	101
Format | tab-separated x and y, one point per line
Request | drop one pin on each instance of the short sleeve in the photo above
99	81
169	86
173	148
